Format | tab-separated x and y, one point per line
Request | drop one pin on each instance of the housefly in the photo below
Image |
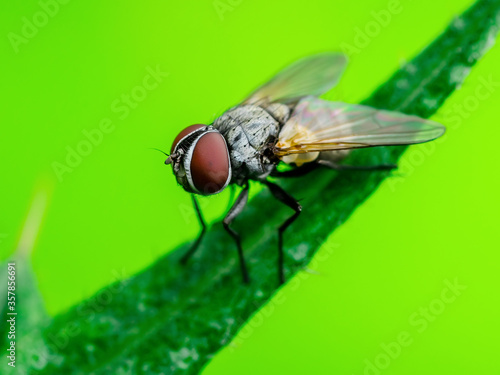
284	121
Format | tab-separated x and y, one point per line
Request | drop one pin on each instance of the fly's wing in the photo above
317	125
312	75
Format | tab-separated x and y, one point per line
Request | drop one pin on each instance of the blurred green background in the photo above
114	209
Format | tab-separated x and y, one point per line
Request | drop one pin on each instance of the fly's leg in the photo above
196	244
231	215
287	199
343	167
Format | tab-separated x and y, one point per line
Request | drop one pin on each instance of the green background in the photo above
119	208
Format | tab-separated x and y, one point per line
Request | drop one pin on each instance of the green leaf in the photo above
173	319
30	320
30	317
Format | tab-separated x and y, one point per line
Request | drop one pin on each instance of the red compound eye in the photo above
210	166
185	132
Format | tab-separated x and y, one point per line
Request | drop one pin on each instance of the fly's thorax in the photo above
249	130
200	160
279	111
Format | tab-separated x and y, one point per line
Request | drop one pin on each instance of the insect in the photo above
284	121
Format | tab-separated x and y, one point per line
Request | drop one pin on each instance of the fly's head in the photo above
200	160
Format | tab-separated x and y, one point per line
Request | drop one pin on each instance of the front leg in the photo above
196	244
287	199
231	215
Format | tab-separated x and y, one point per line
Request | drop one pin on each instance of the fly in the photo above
285	121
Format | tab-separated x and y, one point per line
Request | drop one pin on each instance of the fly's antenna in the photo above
169	157
157	149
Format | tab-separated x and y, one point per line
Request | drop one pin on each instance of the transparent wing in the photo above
312	75
317	125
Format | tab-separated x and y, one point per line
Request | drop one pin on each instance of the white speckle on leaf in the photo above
110	323
430	102
411	68
125	368
179	358
458	23
215	325
403	84
457	74
478	50
490	40
299	252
